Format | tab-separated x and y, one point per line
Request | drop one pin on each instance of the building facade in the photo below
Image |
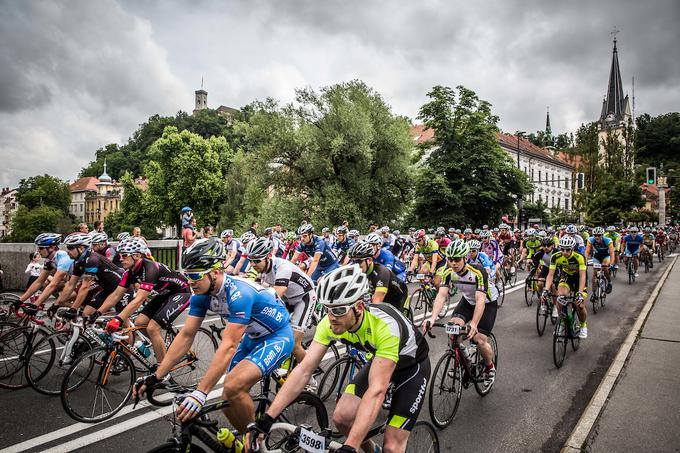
94	199
8	207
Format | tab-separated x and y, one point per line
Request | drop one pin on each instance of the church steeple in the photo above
548	130
615	106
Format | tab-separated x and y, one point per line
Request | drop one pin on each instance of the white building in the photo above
8	207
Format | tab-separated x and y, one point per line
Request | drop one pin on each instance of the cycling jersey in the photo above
429	248
299	296
340	248
443	243
387	259
542	258
532	245
472	280
493	251
154	276
484	261
382	280
58	261
384	332
569	266
318	245
106	274
388	242
613	236
600	248
660	238
241	301
633	243
580	244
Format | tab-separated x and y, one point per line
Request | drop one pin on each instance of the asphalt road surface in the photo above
532	407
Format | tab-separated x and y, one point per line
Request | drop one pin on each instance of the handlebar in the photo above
255	446
463	330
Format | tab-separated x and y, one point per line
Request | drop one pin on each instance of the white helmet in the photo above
98	238
566	242
259	248
374	239
571	229
77	239
344	286
132	245
247	237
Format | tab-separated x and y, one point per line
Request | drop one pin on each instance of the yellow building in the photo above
94	199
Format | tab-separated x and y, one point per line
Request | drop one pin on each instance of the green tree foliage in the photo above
44	190
658	139
340	150
538	210
132	212
28	223
467	178
612	200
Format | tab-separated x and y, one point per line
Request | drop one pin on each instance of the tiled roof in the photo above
421	134
653	190
83	184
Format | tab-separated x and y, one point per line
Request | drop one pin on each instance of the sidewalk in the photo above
643	412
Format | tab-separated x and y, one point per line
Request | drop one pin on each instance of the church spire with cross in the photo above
548	130
615	106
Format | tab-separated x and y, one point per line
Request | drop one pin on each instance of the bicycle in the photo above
422	299
567	329
599	293
16	344
457	368
500	286
509	270
340	374
531	289
543	310
423	438
306	408
630	268
660	252
109	373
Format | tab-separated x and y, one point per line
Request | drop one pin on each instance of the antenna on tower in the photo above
633	99
201	82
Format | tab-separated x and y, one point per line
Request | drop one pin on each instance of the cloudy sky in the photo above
78	74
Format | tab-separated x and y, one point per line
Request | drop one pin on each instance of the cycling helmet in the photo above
496	230
420	234
467	231
203	255
374	239
341	230
634	229
396	233
186	209
259	248
290	236
122	236
98	238
457	249
598	231
457	231
385	229
268	230
440	232
306	228
567	242
452	230
541	234
354	233
227	234
516	230
477	230
562	227
611	228
484	234
531	232
571	229
78	239
485	227
411	230
344	286
325	230
132	245
546	242
47	239
503	226
474	244
247	237
360	250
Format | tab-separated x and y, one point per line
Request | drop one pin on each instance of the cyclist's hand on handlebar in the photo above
346	449
545	294
257	431
114	324
142	384
472	331
191	406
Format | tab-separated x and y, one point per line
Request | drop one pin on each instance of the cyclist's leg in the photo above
485	326
163	318
300	312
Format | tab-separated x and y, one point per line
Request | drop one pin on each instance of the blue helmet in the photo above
186	209
47	239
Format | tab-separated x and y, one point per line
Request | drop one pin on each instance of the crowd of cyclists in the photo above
275	289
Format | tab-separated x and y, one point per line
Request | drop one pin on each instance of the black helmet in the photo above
341	230
204	255
361	250
547	242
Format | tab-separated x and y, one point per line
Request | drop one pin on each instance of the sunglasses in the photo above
358	261
455	260
257	261
565	250
339	311
195	276
598	235
71	247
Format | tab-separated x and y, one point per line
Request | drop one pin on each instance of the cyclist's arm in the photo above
68	290
414	262
315	262
239	265
582	281
298	379
589	248
611	251
180	345
379	294
294	259
35	286
438	304
280	290
51	287
231	337
132	307
549	278
379	378
113	299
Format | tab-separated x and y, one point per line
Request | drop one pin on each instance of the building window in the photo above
558	202
552	203
81	208
525	170
539	175
566	204
532	174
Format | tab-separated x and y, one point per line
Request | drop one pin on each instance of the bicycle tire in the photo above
560	341
103	360
500	285
430	440
326	389
596	299
196	361
541	319
446	379
172	447
420	307
528	292
44	369
15	347
575	329
480	387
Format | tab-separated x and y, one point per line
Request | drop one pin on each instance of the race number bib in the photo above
311	442
452	329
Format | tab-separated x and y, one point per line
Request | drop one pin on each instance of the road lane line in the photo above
590	415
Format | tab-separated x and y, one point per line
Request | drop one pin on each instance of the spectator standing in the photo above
83	228
137	232
189	233
99	226
253	228
33	269
208	231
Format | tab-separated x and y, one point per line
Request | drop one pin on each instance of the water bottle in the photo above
465	350
143	348
228	439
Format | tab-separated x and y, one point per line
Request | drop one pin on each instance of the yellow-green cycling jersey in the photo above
571	265
532	246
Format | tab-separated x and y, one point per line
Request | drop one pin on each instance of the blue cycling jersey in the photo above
633	243
484	261
387	259
242	301
342	247
60	261
318	245
600	248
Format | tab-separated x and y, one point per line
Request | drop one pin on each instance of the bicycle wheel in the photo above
423	439
336	378
7	303
646	265
15	347
560	341
529	292
172	447
500	285
306	409
575	330
196	362
51	358
446	390
98	385
541	316
595	298
419	306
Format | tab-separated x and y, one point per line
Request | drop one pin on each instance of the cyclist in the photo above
507	242
612	234
291	284
385	286
602	249
323	260
58	266
648	247
233	250
492	249
660	239
572	279
541	263
257	337
398	245
631	247
530	245
442	239
277	245
343	244
328	236
400	357
481	258
242	265
167	293
477	306
572	230
426	249
100	244
382	255
388	238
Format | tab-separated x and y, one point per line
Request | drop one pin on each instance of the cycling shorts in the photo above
98	300
464	310
507	246
599	258
321	271
408	392
635	252
300	310
166	308
266	352
543	272
569	280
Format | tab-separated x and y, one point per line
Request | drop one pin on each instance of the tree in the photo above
467	178
28	223
658	139
132	212
44	190
538	210
612	200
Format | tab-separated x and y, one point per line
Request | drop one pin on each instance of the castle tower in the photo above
201	98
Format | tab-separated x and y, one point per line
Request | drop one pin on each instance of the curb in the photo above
592	412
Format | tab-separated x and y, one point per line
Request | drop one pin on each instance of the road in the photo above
532	407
